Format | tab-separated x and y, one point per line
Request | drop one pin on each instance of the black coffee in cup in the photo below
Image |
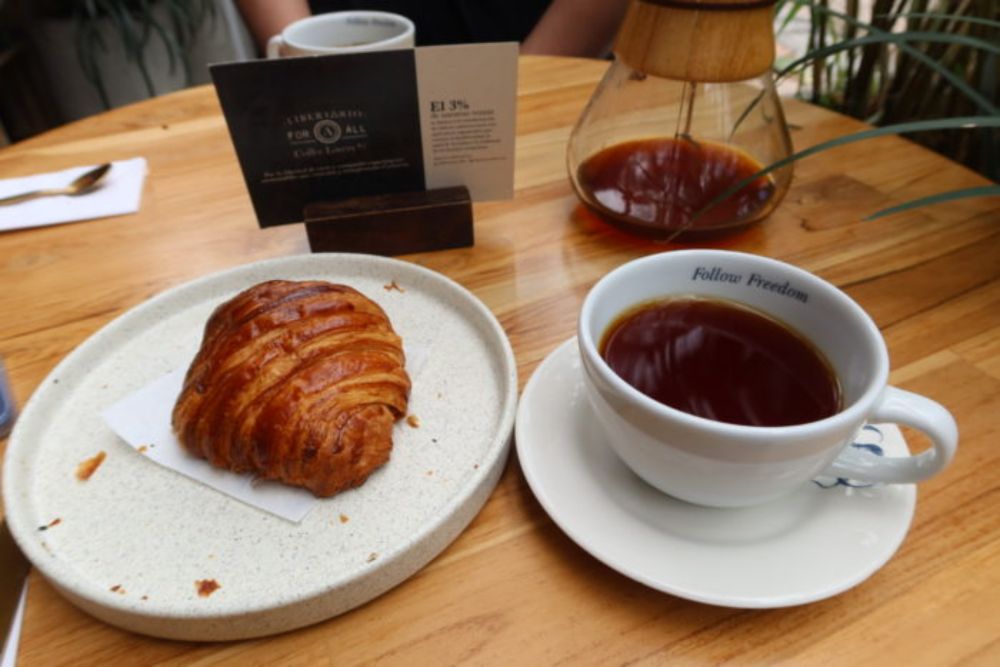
722	361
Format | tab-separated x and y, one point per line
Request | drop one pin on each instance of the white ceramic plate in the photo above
810	545
131	543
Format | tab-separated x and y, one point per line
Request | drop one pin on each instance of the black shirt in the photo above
454	21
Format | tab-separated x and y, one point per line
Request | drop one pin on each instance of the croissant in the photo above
295	381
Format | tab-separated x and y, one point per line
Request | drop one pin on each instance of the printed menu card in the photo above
326	128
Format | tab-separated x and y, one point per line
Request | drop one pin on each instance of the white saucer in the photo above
810	545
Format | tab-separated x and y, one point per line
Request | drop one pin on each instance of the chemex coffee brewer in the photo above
687	111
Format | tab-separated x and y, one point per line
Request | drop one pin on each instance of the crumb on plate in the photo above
206	587
393	286
90	466
51	524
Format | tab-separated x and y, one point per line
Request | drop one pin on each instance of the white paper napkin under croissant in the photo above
120	193
142	419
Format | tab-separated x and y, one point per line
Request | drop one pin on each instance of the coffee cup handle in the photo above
903	407
274	46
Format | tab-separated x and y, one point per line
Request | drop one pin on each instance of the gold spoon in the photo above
81	185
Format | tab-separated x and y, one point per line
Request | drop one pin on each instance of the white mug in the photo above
719	464
343	32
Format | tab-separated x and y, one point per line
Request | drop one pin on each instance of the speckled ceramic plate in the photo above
133	544
820	540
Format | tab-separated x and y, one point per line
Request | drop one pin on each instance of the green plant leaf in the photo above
888	38
982	191
901	41
961	18
960	84
793	11
906	77
965	122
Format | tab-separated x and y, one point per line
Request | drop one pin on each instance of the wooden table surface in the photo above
513	589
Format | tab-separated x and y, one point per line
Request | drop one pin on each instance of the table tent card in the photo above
342	127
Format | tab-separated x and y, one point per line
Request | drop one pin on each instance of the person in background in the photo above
544	27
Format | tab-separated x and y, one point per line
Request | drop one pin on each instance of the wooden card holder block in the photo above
392	224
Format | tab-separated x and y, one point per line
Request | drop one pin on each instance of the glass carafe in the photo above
651	153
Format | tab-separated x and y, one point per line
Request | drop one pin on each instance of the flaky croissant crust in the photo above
295	381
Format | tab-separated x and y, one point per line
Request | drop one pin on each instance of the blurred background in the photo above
881	61
61	60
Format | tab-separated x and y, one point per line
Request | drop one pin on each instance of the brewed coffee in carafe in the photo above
686	111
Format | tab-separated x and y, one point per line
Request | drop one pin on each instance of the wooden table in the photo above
513	589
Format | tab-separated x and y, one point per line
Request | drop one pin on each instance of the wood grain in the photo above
513	588
690	44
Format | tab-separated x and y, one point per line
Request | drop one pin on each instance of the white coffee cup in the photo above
343	32
728	465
